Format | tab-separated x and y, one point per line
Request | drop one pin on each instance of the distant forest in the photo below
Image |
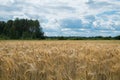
21	29
31	29
83	38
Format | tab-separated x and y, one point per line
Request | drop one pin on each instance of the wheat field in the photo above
60	60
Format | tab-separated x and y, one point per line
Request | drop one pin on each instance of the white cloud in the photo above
52	12
6	2
52	24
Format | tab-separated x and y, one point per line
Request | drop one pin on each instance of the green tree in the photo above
21	28
2	25
117	37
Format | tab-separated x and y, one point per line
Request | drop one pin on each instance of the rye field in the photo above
60	60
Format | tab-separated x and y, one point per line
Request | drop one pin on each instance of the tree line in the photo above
21	29
31	29
83	38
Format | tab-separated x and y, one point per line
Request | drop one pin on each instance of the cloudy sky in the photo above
67	17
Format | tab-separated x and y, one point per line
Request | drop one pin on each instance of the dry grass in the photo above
59	60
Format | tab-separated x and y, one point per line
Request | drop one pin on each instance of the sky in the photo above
67	17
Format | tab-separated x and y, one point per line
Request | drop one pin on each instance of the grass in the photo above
60	60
